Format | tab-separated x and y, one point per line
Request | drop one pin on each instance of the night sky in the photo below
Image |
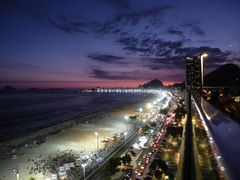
112	43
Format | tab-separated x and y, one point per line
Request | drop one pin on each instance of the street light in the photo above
16	171
83	166
149	105
202	70
97	135
126	118
125	134
140	109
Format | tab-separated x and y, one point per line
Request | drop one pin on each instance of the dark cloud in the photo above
162	54
99	73
72	25
110	75
17	65
149	45
174	31
115	26
194	51
174	62
132	19
177	61
122	4
194	27
107	58
206	41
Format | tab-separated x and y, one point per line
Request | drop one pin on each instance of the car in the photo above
136	171
147	161
140	163
127	175
142	167
140	173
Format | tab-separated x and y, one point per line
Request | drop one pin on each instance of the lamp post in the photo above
126	118
97	135
125	134
83	166
16	171
202	71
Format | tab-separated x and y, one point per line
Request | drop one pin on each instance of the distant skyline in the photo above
112	43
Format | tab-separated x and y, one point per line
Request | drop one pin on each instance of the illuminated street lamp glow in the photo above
154	102
126	118
149	105
83	166
202	69
97	135
140	110
125	135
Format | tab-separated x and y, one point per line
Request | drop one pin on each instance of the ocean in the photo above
25	112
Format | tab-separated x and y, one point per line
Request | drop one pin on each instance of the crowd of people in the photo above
52	163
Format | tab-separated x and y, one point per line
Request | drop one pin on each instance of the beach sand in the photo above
77	135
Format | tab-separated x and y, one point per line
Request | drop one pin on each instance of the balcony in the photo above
223	135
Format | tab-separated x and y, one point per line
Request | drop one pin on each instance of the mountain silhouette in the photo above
226	75
156	83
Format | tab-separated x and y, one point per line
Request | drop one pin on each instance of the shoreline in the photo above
73	135
21	139
7	138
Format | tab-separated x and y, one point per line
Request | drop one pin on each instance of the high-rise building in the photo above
193	72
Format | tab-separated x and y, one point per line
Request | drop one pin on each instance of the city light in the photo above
149	105
140	110
83	166
125	135
97	135
204	55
